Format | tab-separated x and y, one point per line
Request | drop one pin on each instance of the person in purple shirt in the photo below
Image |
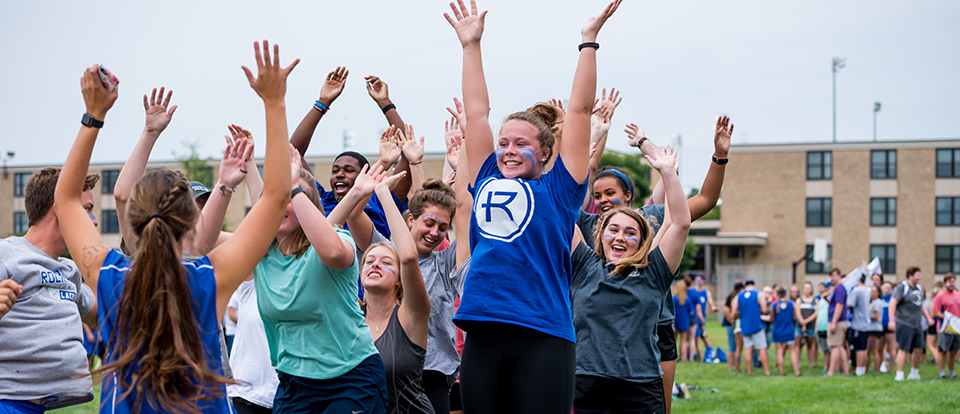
837	327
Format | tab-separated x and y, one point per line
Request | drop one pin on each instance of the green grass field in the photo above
810	393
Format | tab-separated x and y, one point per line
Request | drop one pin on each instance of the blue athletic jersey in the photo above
886	316
203	289
783	322
520	236
374	209
748	305
699	299
685	314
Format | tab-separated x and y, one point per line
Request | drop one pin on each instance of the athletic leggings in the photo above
511	369
437	387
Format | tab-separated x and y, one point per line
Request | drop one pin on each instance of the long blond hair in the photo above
639	259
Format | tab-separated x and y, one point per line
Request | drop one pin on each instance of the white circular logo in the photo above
503	208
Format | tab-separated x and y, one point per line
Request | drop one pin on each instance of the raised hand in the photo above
389	147
368	179
721	138
158	116
469	24
599	122
97	99
333	85
609	105
453	143
238	133
460	114
666	160
559	104
592	28
295	166
390	183
234	161
634	134
378	90
408	144
271	80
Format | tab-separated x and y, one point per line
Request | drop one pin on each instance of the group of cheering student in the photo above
876	322
561	308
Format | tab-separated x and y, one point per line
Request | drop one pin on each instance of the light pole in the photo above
838	63
876	108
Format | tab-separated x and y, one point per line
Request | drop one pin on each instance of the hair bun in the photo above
548	113
436	184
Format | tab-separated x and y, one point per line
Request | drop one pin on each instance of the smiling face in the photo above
608	193
621	238
429	229
343	173
807	290
518	151
380	271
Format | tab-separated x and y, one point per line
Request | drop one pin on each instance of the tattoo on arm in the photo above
90	254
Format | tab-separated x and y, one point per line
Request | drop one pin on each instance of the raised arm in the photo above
380	93
232	172
709	193
576	124
350	208
461	219
334	252
415	309
235	259
252	179
158	116
476	102
672	237
413	153
78	231
331	89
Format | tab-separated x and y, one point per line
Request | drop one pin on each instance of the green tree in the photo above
713	214
194	167
689	255
636	168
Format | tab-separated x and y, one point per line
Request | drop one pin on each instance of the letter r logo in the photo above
503	208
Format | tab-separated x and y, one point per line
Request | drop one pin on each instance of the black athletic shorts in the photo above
857	339
667	342
875	334
609	395
909	338
932	330
455	403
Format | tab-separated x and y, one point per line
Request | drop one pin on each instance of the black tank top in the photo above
403	365
807	309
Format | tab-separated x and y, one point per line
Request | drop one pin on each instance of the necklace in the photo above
382	319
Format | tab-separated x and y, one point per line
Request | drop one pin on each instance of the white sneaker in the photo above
899	377
883	367
913	377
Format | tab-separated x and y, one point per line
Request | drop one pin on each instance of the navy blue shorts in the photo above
362	389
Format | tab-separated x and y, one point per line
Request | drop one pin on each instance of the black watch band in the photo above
90	121
295	191
720	161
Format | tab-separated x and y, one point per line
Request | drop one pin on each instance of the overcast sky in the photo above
679	65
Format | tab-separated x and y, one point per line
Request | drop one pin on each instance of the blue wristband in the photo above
320	107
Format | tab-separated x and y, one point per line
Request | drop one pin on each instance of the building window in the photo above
948	211
818	212
109	180
734	252
109	223
819	165
19	183
887	253
948	259
813	267
883	164
883	211
20	222
948	162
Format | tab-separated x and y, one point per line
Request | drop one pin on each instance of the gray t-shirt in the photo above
876	306
41	348
859	302
438	273
616	316
909	300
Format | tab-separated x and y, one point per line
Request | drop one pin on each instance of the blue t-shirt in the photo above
203	289
684	314
700	297
520	236
748	304
886	316
783	322
839	296
374	209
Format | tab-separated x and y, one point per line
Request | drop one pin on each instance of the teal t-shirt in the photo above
310	313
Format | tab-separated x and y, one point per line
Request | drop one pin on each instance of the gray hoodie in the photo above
41	349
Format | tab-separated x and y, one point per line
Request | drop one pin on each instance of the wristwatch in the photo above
90	121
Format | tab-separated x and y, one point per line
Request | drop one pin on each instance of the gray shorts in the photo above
822	341
757	340
948	342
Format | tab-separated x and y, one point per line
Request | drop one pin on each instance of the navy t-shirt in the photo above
520	236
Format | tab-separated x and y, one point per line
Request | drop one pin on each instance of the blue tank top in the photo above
684	314
203	289
749	307
783	322
520	236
